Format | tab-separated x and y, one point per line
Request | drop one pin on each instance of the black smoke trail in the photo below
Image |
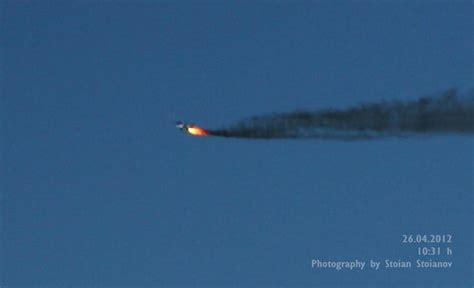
444	114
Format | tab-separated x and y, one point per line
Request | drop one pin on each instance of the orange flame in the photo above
197	131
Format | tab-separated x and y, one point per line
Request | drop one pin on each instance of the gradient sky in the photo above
99	188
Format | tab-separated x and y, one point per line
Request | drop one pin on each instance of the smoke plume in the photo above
443	114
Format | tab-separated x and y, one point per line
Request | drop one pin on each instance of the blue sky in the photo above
99	188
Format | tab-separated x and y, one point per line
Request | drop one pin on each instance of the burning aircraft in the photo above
192	129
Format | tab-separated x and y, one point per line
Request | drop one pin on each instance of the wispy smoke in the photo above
444	114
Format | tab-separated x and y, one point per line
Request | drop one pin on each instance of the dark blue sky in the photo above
99	188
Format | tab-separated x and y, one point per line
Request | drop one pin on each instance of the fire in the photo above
197	131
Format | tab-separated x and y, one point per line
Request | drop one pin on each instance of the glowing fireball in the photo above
197	131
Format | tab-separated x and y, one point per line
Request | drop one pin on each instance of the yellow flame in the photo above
197	131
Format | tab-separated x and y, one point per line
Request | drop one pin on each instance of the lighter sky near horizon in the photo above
99	187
